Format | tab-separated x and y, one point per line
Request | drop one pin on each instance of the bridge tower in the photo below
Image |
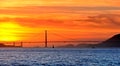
21	44
46	39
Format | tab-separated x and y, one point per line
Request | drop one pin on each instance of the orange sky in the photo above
26	20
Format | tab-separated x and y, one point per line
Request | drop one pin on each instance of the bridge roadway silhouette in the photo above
79	42
68	40
50	41
18	42
62	41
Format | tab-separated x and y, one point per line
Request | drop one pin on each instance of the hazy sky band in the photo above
9	3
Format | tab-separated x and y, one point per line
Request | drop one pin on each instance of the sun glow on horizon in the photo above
7	31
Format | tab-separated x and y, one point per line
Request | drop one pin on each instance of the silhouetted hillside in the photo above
112	42
3	45
85	45
77	46
67	46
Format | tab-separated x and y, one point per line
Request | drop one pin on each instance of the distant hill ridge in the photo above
111	42
114	41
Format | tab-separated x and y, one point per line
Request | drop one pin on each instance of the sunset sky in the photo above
26	20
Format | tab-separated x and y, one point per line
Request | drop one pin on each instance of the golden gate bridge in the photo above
46	41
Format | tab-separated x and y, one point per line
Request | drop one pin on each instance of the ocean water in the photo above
59	57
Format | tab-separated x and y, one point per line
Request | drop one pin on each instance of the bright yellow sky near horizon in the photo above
26	20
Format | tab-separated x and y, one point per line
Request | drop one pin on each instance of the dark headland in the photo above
8	46
114	41
111	42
